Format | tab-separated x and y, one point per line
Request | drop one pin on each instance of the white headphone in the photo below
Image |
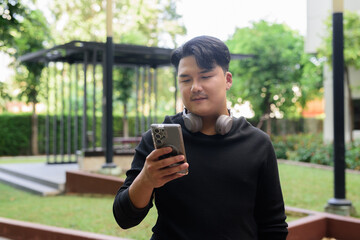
193	123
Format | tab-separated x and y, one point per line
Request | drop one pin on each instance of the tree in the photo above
24	30
137	21
4	95
123	81
149	23
31	37
11	13
276	79
351	26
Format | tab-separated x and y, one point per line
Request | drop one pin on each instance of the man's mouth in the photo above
198	98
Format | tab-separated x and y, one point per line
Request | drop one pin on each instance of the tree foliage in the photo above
24	31
123	79
351	31
33	34
11	13
136	21
279	77
4	95
351	26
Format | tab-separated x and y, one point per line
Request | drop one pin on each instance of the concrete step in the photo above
28	174
28	185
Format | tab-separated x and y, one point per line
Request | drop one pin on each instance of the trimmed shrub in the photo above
15	134
310	148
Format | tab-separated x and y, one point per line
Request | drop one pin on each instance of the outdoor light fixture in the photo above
339	204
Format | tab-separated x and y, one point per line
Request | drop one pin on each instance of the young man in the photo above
232	189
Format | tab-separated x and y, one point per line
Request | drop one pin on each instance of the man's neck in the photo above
208	125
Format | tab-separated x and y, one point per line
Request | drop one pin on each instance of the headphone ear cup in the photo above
192	122
223	124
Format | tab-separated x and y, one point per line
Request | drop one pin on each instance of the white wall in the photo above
317	12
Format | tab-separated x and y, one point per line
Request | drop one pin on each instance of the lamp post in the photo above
109	87
339	204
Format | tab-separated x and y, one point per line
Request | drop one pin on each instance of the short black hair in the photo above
208	52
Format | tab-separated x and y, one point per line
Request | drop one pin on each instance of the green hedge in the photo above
15	139
15	133
310	148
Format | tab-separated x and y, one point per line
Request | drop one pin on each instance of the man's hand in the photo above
158	172
155	173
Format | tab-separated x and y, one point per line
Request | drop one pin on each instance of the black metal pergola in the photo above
146	60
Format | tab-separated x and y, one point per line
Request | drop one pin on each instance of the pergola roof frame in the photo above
94	53
73	52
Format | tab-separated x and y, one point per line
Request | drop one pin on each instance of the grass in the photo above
86	213
311	188
303	187
24	159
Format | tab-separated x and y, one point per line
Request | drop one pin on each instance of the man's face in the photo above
203	91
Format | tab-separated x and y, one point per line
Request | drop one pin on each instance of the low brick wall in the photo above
93	162
84	182
19	230
318	225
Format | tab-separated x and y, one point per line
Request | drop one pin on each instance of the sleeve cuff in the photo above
130	209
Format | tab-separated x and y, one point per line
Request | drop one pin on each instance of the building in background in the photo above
317	12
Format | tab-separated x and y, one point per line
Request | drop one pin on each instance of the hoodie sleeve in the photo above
125	213
269	209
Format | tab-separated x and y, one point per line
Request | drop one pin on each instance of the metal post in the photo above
149	96
55	116
103	102
94	102
109	88
47	124
76	110
62	79
137	102
143	100
155	94
69	116
175	93
338	204
338	92
84	117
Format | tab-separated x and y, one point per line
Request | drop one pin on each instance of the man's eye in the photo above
185	80
205	77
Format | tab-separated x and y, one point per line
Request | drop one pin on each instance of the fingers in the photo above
174	169
159	172
167	162
154	155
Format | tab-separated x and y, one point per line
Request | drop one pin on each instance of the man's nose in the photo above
196	86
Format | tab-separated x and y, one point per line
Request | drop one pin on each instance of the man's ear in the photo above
229	81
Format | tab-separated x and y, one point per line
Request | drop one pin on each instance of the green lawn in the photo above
303	187
311	188
25	159
86	213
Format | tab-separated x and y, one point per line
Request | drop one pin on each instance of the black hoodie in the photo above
232	190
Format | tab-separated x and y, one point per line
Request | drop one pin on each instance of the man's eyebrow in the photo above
183	75
206	70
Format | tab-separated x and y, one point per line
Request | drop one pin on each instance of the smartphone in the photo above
169	135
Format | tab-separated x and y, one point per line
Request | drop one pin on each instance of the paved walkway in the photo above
39	178
50	172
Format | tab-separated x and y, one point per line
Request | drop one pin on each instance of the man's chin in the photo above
200	111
